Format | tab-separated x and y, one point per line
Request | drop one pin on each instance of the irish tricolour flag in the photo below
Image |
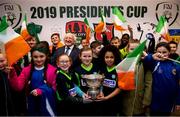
119	20
24	32
14	44
88	30
126	68
101	27
162	28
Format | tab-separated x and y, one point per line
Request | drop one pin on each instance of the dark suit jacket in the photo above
74	55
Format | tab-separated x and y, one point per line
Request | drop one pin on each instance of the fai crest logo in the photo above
13	13
78	28
169	10
109	33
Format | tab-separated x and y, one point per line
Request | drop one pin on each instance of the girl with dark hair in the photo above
39	80
165	83
124	40
46	45
110	95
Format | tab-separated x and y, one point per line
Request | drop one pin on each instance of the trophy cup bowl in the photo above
94	81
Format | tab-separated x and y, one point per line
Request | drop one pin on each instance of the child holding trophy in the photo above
86	68
69	95
110	97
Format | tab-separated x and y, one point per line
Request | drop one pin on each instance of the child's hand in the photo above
8	69
102	98
130	28
101	94
34	92
158	56
144	55
177	107
85	96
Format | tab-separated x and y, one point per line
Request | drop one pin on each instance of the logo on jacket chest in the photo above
109	83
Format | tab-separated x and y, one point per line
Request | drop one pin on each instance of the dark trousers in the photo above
158	113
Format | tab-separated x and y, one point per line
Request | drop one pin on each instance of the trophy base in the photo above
93	93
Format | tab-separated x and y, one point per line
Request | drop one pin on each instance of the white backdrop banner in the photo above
67	15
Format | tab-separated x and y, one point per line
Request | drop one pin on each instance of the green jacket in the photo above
123	52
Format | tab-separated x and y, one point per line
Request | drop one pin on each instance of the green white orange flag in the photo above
24	32
88	30
126	68
101	27
119	20
14	44
162	28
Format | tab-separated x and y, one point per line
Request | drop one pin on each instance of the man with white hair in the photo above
69	48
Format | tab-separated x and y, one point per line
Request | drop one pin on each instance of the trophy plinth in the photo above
94	81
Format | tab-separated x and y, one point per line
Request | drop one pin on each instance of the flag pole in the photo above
173	60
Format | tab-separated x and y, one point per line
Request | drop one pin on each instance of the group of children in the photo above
60	89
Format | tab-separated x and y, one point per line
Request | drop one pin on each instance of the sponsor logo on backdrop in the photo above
175	34
13	12
109	33
78	28
169	10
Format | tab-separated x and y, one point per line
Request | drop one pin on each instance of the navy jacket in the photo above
74	55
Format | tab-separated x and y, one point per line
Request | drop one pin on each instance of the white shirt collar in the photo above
71	47
39	68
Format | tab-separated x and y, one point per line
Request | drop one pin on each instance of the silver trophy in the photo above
94	82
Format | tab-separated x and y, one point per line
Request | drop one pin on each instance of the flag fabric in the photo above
3	24
126	68
162	28
14	44
88	30
101	27
119	20
24	32
87	24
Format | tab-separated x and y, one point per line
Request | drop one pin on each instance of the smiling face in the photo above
173	48
64	62
86	57
109	59
132	46
69	39
31	41
115	42
84	43
3	62
125	39
39	58
55	39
